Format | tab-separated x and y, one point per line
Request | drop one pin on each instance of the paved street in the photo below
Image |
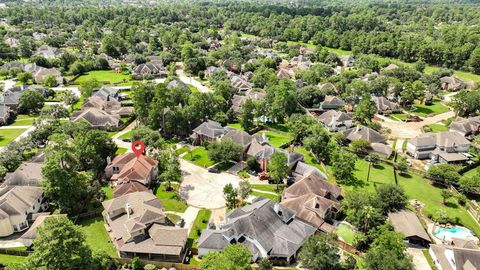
203	189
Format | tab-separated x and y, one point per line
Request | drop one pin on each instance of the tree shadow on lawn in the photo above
423	110
451	205
405	175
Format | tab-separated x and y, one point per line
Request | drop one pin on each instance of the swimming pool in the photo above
455	232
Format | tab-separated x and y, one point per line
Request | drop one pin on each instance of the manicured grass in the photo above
224	166
8	259
279	127
97	237
398	116
199	157
121	150
415	187
265	195
472	172
7	135
235	126
182	150
200	224
276	139
426	110
309	158
173	218
24	120
268	187
170	199
79	103
108	192
127	135
193	88
429	259
104	76
437	128
346	232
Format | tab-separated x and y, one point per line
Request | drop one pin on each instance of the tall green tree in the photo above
278	169
320	252
388	252
247	117
30	101
224	151
86	87
365	110
233	257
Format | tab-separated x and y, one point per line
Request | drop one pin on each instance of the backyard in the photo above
7	135
276	138
104	76
346	233
415	187
97	237
170	199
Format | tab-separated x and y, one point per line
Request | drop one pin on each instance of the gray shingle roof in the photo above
364	133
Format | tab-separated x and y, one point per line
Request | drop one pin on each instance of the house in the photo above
12	42
382	149
364	133
147	70
4	114
390	67
212	69
16	203
454	258
128	187
452	83
42	74
206	132
97	118
332	103
285	73
443	147
266	228
177	84
107	93
109	105
347	60
37	88
385	106
336	120
466	126
407	223
240	83
27	174
9	99
136	224
314	201
32	233
303	169
240	137
48	52
239	100
127	167
328	88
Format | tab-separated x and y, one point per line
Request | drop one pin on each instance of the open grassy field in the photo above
97	237
170	199
428	110
416	187
7	135
8	259
104	76
200	224
199	157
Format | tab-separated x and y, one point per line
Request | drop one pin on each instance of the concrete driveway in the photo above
418	258
202	189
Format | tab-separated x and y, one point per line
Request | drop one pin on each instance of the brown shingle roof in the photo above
408	223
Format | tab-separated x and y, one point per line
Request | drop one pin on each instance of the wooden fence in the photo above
349	248
177	266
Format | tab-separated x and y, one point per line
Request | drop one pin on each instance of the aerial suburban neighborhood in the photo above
239	135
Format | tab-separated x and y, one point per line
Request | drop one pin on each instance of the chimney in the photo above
291	148
109	160
264	137
128	209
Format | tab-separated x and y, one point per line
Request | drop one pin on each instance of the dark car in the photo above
180	223
213	170
126	140
252	172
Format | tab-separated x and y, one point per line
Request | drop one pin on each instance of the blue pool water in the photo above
454	232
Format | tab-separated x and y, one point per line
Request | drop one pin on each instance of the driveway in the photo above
419	259
202	189
190	80
407	130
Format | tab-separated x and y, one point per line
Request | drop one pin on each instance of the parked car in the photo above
213	170
126	140
252	172
180	223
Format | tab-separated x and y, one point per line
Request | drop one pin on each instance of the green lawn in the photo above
199	157
346	232
426	110
24	120
121	150
309	158
7	135
473	172
268	187
415	187
266	195
429	259
182	150
170	199
173	218
8	259
79	103
127	135
235	125
104	76
437	128
108	192
97	237
276	139
398	116
200	224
